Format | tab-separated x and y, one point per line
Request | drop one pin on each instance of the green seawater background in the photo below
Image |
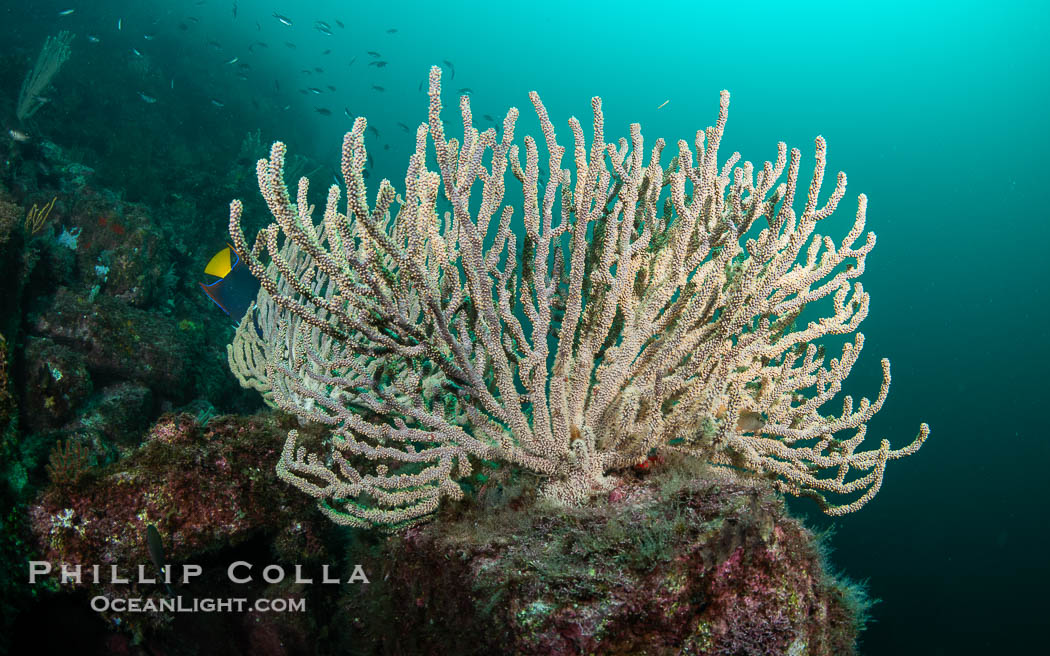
938	111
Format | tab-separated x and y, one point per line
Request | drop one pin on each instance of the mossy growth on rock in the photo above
680	558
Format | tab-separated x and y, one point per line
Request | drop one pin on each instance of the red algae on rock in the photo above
712	565
206	488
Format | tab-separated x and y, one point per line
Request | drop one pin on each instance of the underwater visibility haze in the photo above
523	328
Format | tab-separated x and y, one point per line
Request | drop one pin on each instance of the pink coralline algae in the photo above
713	567
203	487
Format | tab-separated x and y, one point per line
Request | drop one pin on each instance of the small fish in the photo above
235	10
306	71
323	111
315	90
330	87
193	19
369	161
352	60
289	44
217	103
664	103
135	51
327	52
148	37
66	12
18	135
325	32
349	114
233	61
318	69
404	127
242	76
421	84
392	30
374	130
322	24
284	19
466	90
377	64
340	24
120	24
378	88
488	118
215	44
374	53
149	100
93	39
450	67
172	83
155	546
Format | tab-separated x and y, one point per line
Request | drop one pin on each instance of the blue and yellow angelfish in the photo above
236	287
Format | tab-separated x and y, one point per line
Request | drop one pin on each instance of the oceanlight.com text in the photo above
182	604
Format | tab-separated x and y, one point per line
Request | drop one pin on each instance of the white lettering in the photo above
358	575
276	578
233	577
115	577
38	568
326	578
67	575
190	571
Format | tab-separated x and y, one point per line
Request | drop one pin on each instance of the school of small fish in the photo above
150	42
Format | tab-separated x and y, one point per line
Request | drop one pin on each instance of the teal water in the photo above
936	110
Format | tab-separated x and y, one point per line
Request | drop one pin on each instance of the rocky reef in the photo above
118	412
668	564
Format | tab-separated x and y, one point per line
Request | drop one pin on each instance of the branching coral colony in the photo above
633	314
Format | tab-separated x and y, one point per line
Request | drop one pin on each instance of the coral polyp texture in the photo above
627	307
